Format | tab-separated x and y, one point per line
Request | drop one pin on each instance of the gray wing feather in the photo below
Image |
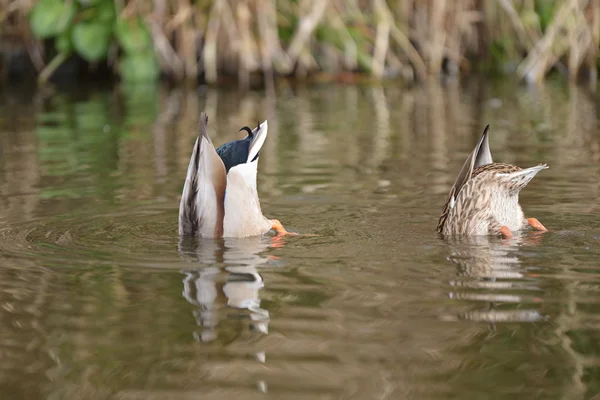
201	209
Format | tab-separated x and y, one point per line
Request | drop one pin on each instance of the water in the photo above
99	298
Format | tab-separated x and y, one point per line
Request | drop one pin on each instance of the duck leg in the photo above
496	227
505	231
278	228
535	224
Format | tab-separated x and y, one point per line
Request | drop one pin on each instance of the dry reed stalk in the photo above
593	53
469	31
230	27
437	36
398	67
270	47
525	37
405	44
243	36
482	31
579	38
159	24
305	28
541	57
552	46
274	58
248	51
184	11
209	51
381	40
15	35
182	27
306	63
129	9
168	58
350	47
189	45
404	7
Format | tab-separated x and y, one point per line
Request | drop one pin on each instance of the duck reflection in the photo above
231	278
490	272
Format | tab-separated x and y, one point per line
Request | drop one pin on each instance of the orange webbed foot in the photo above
279	229
505	231
535	224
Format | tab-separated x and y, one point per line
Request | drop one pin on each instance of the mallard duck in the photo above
219	197
484	199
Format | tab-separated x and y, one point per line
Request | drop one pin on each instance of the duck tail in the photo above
188	212
201	209
519	179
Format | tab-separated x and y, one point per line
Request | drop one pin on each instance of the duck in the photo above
484	199
220	197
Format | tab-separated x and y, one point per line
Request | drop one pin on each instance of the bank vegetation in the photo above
256	41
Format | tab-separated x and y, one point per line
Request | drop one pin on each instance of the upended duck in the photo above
484	200
219	197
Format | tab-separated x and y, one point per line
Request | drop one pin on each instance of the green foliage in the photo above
500	50
138	63
91	40
324	33
137	67
49	18
63	43
133	35
89	29
545	11
105	11
286	26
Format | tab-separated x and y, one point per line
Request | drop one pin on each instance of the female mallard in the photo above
485	197
219	197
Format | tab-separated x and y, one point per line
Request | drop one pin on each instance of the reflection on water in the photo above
490	273
238	283
99	298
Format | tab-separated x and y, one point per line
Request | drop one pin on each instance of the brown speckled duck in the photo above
484	199
219	197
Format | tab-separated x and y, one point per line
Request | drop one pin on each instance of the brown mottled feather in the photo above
472	201
501	168
494	167
480	156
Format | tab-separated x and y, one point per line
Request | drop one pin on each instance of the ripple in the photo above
98	237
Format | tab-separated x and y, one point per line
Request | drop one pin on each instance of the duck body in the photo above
243	215
484	200
220	197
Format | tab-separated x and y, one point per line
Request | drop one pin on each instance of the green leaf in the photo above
86	3
49	18
91	39
106	11
63	43
139	67
133	35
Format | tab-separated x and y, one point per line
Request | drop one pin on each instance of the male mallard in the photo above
219	197
485	197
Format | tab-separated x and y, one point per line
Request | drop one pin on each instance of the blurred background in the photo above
249	42
373	107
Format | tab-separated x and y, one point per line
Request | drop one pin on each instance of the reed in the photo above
258	40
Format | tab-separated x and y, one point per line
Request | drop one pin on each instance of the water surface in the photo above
99	297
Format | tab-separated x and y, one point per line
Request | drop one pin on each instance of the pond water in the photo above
99	298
